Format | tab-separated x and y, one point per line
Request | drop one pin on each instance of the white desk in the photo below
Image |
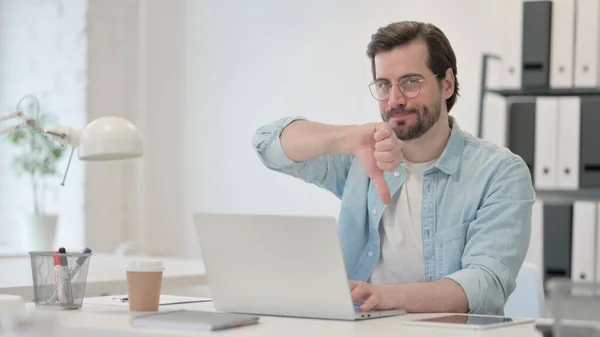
98	320
106	275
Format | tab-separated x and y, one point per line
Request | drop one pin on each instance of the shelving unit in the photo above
553	123
529	95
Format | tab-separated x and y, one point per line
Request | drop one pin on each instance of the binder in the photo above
562	43
535	252
513	45
546	142
584	236
537	16
595	253
589	169
558	222
521	132
494	126
569	121
587	43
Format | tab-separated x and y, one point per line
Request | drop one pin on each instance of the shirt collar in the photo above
450	158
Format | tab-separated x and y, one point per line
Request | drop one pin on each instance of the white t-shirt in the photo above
401	258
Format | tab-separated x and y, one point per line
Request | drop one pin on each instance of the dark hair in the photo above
441	55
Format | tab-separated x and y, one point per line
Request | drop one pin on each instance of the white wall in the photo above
249	63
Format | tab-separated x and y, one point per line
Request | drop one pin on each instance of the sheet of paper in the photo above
122	300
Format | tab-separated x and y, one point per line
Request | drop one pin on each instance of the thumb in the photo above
381	186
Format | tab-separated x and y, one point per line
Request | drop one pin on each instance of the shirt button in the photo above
396	174
374	210
370	254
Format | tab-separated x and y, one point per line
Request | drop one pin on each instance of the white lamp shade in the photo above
110	138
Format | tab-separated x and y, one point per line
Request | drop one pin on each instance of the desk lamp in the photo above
106	138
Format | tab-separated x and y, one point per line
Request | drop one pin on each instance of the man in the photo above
432	219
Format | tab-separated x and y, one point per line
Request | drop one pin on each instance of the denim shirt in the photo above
476	211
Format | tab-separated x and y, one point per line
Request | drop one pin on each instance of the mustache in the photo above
400	110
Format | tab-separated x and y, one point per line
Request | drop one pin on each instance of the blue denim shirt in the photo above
476	211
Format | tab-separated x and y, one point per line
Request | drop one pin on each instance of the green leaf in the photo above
16	137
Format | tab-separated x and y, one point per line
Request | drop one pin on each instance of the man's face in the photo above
410	117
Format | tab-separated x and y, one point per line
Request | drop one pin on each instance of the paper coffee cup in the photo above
144	281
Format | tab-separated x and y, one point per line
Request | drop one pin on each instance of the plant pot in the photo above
39	232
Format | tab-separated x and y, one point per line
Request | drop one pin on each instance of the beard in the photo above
426	117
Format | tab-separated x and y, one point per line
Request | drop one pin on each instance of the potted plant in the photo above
36	160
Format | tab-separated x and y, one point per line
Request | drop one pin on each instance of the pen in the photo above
65	278
121	299
79	262
58	295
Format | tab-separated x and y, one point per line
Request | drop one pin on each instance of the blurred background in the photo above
199	76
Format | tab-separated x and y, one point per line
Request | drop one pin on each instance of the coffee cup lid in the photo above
147	266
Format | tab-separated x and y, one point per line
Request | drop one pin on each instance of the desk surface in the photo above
99	320
106	274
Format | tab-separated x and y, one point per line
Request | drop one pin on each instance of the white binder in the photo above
546	142
595	253
495	108
535	253
583	239
562	43
512	42
587	43
495	124
569	121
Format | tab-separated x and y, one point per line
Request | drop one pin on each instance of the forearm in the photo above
303	140
439	296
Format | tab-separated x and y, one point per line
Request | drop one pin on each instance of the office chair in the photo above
528	298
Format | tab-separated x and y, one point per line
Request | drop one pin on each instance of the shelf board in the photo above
567	196
546	92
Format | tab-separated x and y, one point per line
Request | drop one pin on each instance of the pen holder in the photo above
59	279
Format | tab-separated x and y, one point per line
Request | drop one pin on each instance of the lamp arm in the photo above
16	114
65	135
27	122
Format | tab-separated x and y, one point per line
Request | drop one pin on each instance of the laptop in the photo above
279	265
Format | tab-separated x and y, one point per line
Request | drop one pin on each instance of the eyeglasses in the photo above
409	86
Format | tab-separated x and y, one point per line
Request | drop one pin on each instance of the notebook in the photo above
193	320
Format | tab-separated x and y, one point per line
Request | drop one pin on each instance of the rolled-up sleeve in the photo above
328	172
497	240
267	145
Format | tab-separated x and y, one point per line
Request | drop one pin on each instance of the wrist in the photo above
394	296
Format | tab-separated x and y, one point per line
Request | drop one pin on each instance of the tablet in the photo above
469	321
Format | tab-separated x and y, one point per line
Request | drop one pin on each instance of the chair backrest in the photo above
528	298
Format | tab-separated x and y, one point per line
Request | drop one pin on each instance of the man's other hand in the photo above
370	296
